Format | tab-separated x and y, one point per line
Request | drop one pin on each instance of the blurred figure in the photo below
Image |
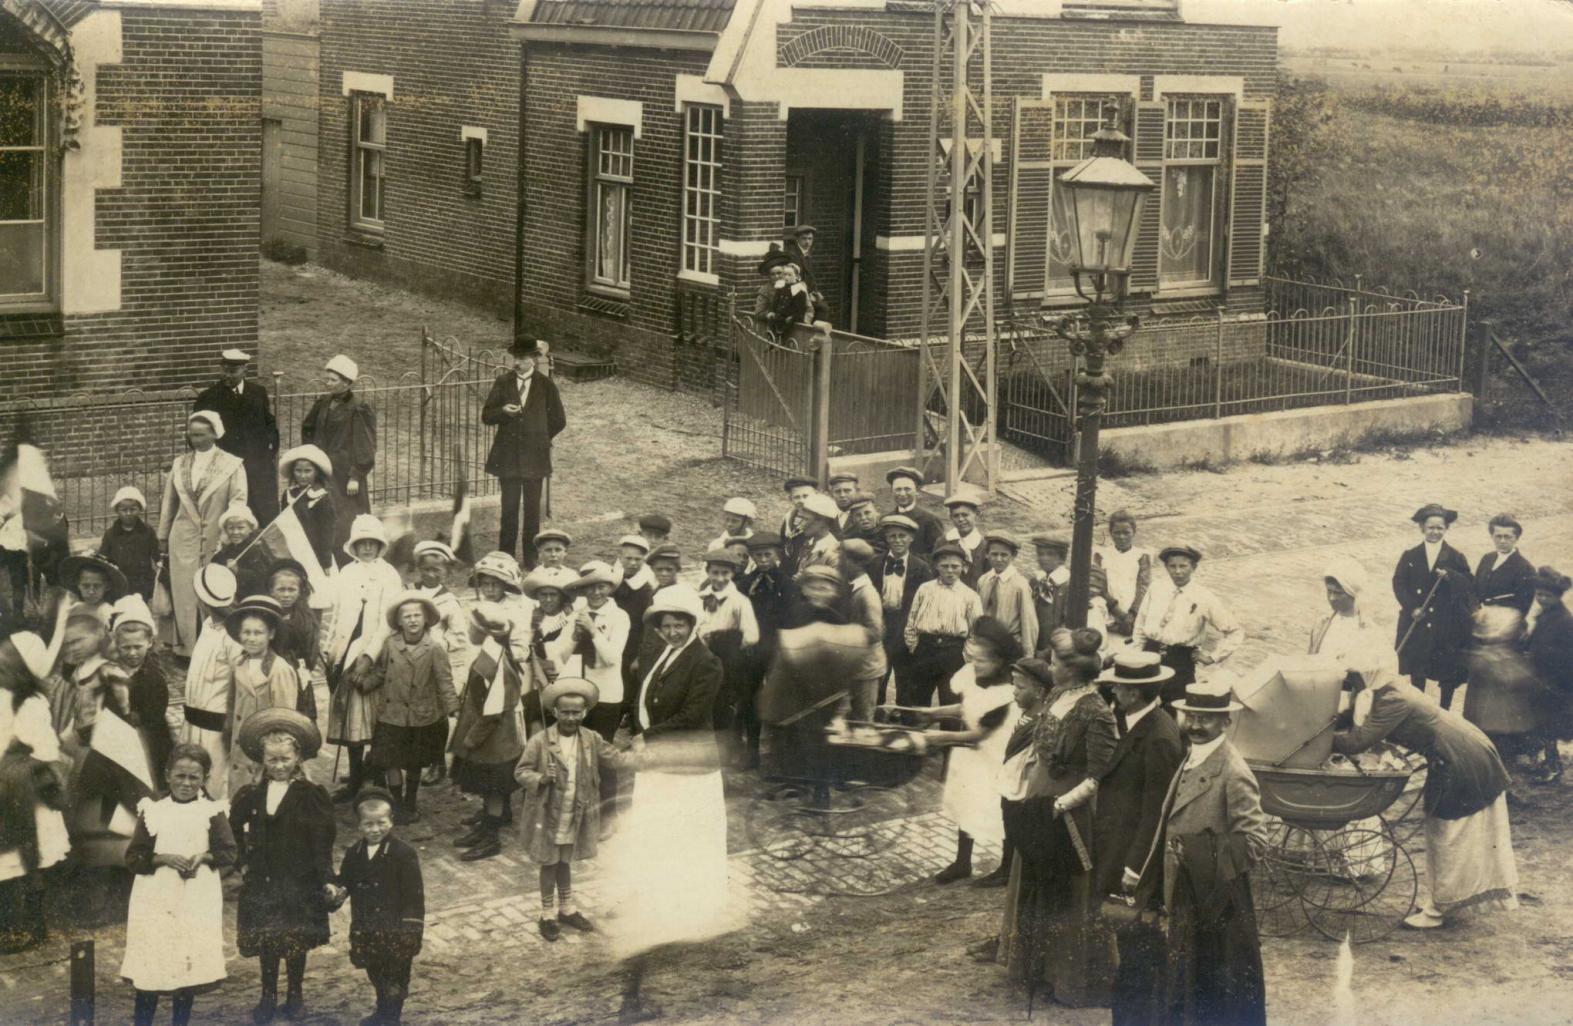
1505	699
1548	634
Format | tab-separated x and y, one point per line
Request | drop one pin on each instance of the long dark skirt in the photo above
484	778
22	913
1052	933
408	748
280	918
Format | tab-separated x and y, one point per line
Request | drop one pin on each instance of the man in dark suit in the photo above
797	250
250	431
528	413
1130	796
905	483
1505	577
1436	623
896	578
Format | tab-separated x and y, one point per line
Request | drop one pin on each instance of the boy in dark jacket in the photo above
381	877
130	543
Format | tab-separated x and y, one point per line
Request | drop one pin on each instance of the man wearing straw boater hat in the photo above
1198	869
251	432
1433	586
1131	793
527	412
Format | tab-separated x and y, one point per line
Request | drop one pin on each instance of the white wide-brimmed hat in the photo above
593	573
542	577
215	586
678	598
570	686
365	527
1208	697
310	453
501	566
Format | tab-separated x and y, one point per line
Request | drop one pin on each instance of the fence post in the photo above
1349	345
1463	334
83	991
819	406
1218	368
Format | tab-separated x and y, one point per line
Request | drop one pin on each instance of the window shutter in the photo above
1248	194
1031	183
1148	158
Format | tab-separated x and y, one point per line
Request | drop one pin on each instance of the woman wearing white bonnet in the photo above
1468	842
1343	629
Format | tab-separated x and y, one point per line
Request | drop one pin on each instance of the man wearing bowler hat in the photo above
1433	586
527	412
250	431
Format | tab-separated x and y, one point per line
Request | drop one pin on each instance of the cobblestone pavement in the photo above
1265	557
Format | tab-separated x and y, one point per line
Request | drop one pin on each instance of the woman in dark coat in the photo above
1468	844
1433	626
1051	932
1504	577
345	429
284	831
1549	638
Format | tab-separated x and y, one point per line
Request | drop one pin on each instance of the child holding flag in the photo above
489	737
307	472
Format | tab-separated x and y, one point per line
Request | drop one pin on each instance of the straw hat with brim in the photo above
215	586
259	606
405	598
1139	669
1208	698
543	578
1189	551
822	506
279	720
591	574
1434	509
72	566
570	686
679	599
1038	669
365	527
775	258
311	454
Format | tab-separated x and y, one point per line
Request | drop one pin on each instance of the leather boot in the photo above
488	846
475	835
266	1008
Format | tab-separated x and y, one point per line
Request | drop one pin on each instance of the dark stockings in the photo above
557	890
180	1007
357	765
294	968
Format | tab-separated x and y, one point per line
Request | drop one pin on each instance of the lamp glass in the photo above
1105	229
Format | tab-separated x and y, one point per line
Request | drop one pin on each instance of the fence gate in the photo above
1036	394
769	416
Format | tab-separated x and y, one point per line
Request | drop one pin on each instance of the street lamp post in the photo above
1106	198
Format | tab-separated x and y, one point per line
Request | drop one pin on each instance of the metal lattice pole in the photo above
958	252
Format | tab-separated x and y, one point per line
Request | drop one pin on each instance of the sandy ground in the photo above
898	959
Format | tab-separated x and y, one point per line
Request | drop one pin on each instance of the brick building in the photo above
665	146
129	169
419	137
289	125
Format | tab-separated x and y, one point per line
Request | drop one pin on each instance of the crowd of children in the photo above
555	665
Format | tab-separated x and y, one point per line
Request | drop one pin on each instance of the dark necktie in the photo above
895	568
712	603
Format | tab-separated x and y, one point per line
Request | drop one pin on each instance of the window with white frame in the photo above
369	123
701	188
1193	153
611	193
25	246
1077	118
792	201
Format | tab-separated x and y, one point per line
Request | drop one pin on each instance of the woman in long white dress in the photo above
666	867
988	715
200	486
175	922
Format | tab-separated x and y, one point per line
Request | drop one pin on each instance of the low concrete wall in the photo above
1287	431
871	468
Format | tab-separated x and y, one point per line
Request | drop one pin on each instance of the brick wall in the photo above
554	293
290	98
452	64
186	97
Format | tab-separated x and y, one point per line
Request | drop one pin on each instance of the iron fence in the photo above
769	418
875	386
429	433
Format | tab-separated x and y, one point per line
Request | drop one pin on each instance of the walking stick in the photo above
1426	604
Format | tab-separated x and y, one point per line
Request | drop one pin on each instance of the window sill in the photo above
359	237
603	306
18	325
699	278
472	191
1207	290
